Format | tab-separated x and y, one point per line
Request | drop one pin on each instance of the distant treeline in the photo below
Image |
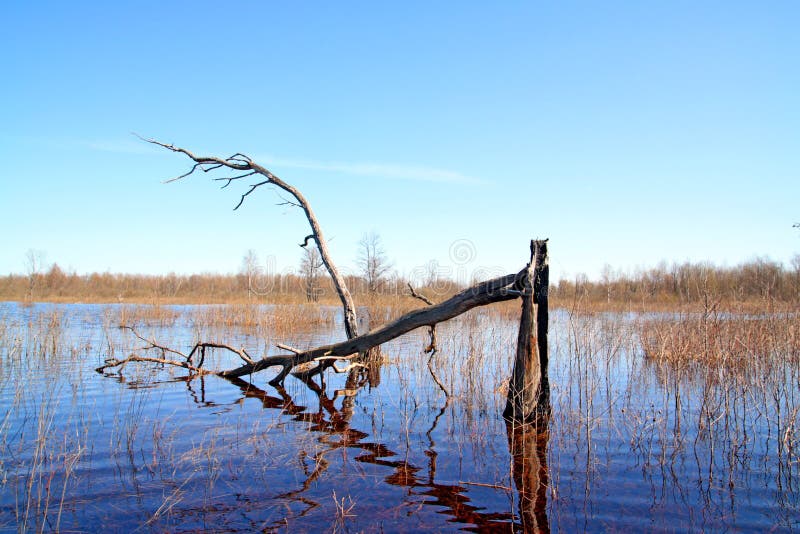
755	281
758	280
56	285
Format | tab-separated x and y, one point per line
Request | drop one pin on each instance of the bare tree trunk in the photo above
529	388
242	163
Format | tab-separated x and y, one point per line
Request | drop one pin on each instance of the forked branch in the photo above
187	363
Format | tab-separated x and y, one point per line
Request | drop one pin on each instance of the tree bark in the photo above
529	388
541	293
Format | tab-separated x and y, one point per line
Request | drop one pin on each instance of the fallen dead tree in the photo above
528	394
528	391
496	290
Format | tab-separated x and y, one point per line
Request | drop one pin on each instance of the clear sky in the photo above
626	132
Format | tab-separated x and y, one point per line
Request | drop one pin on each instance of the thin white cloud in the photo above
120	146
381	170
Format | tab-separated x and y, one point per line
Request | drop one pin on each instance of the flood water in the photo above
632	444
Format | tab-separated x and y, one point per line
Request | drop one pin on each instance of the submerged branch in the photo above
186	364
114	362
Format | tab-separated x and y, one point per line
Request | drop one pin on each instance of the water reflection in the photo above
527	445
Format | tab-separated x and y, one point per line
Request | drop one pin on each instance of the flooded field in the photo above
638	440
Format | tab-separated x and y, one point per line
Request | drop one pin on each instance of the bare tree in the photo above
244	167
34	264
55	279
250	272
372	261
607	277
310	267
433	272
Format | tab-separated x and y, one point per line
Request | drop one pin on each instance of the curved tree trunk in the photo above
348	307
242	163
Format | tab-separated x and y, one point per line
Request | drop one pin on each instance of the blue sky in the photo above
626	132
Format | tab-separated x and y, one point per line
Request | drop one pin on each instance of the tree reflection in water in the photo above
527	446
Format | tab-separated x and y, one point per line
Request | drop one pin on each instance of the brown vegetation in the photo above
755	283
56	285
721	339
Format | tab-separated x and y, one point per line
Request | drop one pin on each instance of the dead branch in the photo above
114	362
186	364
213	345
283	346
416	295
435	377
151	344
241	163
347	368
431	348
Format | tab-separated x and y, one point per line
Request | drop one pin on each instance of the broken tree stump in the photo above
529	387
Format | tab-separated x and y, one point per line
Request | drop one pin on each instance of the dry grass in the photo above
727	339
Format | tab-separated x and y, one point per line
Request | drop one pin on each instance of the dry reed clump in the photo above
43	335
150	315
277	320
384	309
300	317
732	340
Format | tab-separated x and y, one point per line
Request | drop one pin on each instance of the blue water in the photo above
631	445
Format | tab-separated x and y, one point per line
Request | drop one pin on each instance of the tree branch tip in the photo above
335	358
283	346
